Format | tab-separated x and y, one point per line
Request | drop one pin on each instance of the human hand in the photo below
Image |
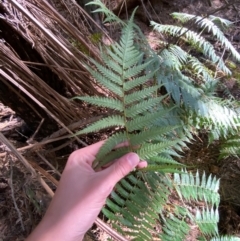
81	194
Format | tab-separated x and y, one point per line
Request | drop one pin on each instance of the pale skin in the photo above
81	194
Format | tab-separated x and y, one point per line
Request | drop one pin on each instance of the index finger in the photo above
92	149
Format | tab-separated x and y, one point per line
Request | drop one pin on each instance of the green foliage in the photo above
137	110
191	82
157	126
230	147
210	24
193	187
207	221
226	238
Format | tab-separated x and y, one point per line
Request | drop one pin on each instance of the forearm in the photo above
47	231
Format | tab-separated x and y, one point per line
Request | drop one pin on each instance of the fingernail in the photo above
133	159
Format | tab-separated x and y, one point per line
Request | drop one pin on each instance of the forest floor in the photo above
22	199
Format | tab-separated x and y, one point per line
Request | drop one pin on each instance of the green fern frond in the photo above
116	89
150	134
137	96
164	160
149	150
110	144
133	209
102	101
208	24
200	100
196	188
230	147
123	71
225	238
143	106
110	16
207	221
156	127
195	40
175	226
104	123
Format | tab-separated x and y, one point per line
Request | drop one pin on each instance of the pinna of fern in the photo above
137	109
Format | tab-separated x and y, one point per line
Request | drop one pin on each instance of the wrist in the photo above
49	231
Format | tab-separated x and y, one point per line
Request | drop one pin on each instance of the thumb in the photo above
122	167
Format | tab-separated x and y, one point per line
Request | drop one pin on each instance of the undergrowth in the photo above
158	126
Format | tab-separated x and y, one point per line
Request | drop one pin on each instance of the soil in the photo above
22	199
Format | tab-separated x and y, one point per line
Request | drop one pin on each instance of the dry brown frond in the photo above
44	45
52	36
15	72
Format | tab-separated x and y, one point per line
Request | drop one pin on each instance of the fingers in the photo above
92	149
121	168
142	164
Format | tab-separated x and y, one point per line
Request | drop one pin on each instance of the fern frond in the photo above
147	120
110	16
230	147
150	134
208	24
102	101
207	221
125	69
110	144
225	238
196	188
116	89
195	40
104	123
128	203
143	106
150	150
175	226
137	96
